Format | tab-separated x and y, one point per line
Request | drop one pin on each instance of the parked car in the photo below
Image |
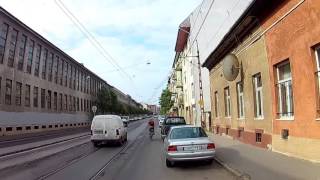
188	143
169	122
108	128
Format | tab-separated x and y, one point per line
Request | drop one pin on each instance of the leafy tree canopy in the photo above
165	101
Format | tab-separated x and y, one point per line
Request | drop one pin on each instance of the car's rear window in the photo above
187	132
175	121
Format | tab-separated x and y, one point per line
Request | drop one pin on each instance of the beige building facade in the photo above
242	108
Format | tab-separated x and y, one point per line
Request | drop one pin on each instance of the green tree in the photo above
165	101
107	101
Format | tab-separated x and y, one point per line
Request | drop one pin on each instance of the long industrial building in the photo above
41	87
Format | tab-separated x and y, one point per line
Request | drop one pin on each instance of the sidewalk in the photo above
262	164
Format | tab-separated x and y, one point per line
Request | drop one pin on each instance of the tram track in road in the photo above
39	147
82	158
101	171
51	173
27	138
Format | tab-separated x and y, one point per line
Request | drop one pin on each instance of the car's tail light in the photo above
211	146
117	132
172	148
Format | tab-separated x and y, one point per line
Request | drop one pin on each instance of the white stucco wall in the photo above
209	23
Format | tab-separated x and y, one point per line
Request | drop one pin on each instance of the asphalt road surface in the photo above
145	161
140	159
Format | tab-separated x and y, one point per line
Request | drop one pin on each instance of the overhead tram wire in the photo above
206	16
160	85
93	40
89	34
222	24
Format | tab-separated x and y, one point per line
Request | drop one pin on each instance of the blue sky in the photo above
134	32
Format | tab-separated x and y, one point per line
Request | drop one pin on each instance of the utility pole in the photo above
201	103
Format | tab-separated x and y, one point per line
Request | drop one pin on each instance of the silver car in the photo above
188	143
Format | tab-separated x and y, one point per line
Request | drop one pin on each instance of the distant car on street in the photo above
108	128
125	118
188	143
160	120
169	122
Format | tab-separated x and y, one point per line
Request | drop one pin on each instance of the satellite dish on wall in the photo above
230	67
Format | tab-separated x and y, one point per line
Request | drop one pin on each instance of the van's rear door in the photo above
111	127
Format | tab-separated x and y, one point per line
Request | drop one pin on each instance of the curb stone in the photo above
240	176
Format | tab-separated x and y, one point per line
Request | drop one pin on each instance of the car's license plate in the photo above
98	132
192	148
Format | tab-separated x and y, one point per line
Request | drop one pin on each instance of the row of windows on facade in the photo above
53	67
283	92
48	99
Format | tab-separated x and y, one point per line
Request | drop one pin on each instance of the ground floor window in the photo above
240	132
258	137
284	133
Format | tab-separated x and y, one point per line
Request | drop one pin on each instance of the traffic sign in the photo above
94	109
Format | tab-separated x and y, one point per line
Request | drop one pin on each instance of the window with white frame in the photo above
258	99
227	102
240	99
317	73
216	104
284	90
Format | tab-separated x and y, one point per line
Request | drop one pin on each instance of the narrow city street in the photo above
145	161
156	90
139	159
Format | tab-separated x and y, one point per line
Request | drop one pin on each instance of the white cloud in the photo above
132	31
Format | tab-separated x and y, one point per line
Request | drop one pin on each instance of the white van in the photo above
108	128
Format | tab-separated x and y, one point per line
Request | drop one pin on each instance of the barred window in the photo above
18	93
27	96
49	99
258	137
65	102
60	102
35	96
43	98
8	92
55	101
78	105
